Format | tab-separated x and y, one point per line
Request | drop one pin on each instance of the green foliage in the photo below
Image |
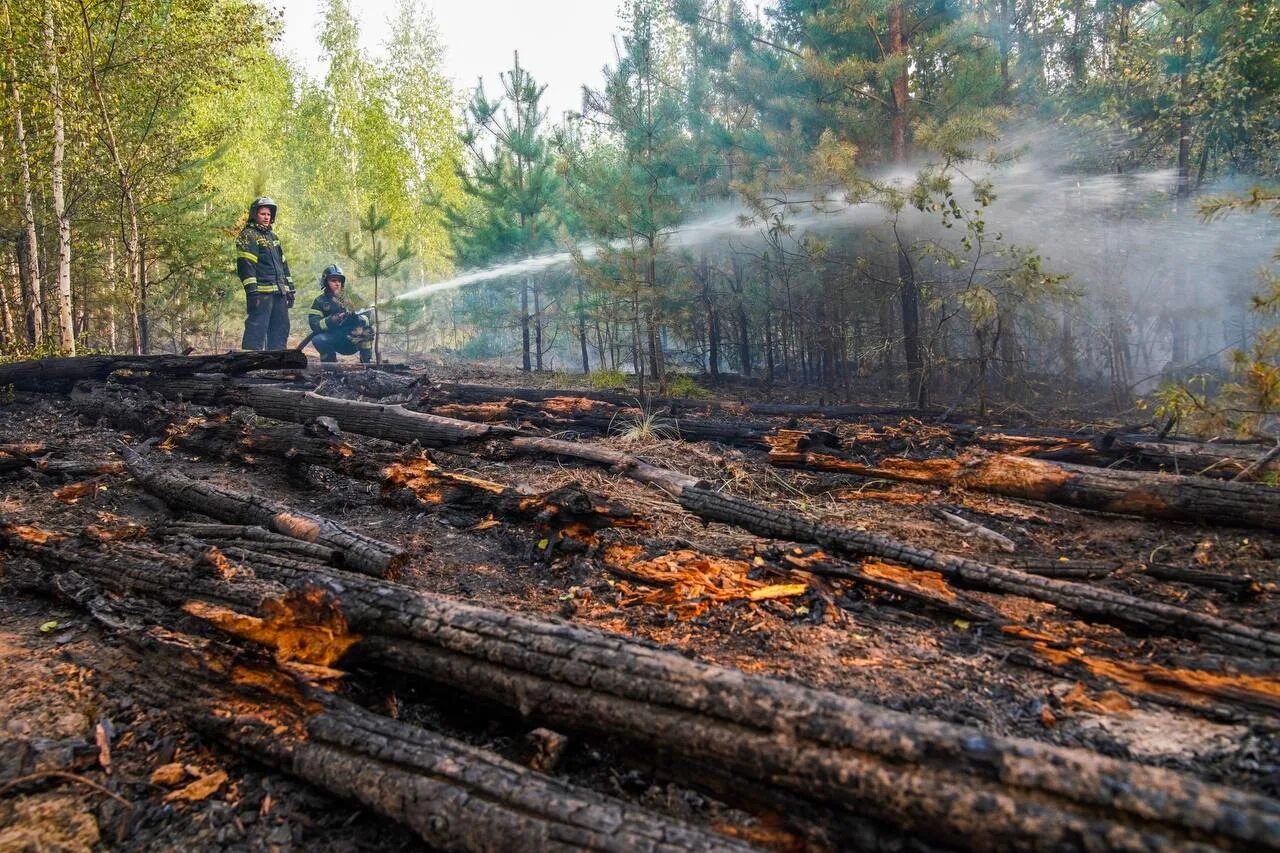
1249	403
607	380
682	385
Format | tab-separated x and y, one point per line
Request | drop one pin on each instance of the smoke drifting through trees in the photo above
879	252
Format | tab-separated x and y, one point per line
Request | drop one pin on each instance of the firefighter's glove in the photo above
336	320
289	296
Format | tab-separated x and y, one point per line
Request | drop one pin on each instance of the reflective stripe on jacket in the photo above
260	262
320	319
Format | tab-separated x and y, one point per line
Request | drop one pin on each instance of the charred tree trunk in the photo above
569	512
1149	495
58	374
359	552
526	363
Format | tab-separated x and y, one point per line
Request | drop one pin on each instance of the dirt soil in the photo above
83	766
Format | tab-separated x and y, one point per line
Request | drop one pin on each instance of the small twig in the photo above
1258	464
1004	543
62	774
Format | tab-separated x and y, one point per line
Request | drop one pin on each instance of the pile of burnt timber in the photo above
860	768
1087	601
589	417
282	713
469	394
1149	495
59	374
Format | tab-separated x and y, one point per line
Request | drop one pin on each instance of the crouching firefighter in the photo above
336	325
264	273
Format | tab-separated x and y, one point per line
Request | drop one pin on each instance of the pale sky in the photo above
563	43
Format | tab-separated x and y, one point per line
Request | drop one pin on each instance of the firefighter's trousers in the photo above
266	322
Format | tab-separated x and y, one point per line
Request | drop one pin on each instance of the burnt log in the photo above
452	795
1148	495
673	482
57	375
567	512
927	589
936	781
1090	602
1201	458
1057	568
592	417
469	393
376	420
359	552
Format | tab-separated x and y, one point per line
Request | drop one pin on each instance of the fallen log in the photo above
930	780
1195	690
1089	602
57	375
1061	568
566	513
1239	586
359	552
924	588
470	393
592	417
376	420
452	795
255	538
1201	458
1149	495
633	467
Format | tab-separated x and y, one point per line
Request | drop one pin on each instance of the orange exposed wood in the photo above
497	412
689	582
568	407
1188	686
31	535
929	582
306	626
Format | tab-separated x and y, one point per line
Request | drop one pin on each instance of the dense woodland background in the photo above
954	200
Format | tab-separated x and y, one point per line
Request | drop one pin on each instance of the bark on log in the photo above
569	512
376	420
1183	457
933	780
468	393
59	374
452	795
579	414
673	482
1053	568
1148	495
359	552
1087	601
924	588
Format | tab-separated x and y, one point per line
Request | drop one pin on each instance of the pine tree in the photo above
511	181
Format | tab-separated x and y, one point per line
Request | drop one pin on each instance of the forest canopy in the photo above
940	200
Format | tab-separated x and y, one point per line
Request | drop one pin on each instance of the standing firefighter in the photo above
268	286
335	324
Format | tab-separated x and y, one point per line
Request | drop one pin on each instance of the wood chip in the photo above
201	789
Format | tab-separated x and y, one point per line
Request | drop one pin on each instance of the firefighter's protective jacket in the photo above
260	261
326	307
